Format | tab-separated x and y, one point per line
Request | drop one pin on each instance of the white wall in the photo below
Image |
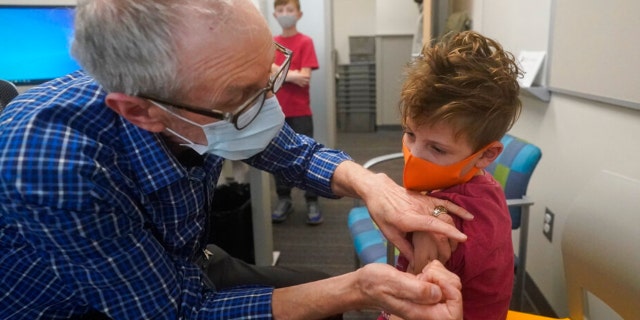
578	137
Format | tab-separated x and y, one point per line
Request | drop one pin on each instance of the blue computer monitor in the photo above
35	43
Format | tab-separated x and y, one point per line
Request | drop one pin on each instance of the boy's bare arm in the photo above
425	250
425	247
299	77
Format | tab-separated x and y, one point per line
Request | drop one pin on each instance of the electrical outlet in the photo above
547	227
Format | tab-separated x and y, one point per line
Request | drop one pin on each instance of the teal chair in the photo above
513	169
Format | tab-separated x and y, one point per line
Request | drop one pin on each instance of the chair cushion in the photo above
513	169
368	241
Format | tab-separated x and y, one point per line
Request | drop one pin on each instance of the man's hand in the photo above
432	294
396	210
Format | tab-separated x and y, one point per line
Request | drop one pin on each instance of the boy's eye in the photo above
438	150
408	134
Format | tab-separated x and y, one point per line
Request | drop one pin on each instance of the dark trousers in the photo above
226	271
302	125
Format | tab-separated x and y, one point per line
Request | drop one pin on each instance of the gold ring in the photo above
438	210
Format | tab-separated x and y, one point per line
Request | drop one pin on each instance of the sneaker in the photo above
283	209
314	216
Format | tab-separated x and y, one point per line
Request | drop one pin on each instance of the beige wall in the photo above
578	137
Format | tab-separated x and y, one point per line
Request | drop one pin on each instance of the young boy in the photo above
459	98
294	98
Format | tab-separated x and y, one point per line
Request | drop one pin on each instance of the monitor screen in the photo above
36	43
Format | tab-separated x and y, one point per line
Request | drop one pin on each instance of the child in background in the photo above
458	100
294	98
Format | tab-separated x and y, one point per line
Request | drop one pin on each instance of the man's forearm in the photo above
316	300
434	294
352	180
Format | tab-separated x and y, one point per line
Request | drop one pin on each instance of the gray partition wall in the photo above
392	55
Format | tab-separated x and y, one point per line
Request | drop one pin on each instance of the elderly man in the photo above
107	174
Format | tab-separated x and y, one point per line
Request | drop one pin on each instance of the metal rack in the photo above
356	87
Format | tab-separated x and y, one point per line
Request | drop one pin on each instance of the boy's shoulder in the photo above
482	195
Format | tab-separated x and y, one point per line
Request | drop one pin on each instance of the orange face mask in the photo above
422	175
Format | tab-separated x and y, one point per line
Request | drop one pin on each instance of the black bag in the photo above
230	221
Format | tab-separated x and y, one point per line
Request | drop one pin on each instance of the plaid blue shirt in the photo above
97	214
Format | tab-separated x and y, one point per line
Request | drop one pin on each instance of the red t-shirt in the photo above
484	262
295	100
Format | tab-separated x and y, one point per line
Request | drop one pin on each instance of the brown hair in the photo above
285	2
467	81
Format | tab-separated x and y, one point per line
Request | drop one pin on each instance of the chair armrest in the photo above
383	158
525	201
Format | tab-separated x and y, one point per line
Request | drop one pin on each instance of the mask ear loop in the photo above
478	154
189	142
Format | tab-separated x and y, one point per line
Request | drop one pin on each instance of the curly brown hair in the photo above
467	81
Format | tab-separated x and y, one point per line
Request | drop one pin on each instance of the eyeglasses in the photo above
248	111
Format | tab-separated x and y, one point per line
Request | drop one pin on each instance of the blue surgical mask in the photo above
224	140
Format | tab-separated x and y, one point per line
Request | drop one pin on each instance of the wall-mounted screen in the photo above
36	43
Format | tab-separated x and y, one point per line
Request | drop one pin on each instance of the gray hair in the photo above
131	46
